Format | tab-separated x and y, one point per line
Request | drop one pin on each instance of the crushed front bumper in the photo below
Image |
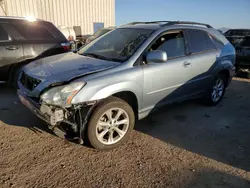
65	123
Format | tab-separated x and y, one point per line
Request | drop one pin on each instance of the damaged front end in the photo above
54	106
69	123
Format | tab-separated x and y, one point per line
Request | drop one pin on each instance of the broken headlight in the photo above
62	95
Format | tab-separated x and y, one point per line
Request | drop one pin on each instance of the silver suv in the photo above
99	92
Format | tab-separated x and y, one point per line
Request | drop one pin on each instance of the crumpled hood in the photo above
64	67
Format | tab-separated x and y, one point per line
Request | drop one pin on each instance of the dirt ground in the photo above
183	145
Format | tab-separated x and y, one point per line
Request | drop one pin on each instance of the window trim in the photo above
164	33
201	52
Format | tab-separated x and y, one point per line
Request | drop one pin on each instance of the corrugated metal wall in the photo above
66	12
2	8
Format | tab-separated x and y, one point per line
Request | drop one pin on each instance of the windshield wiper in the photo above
95	56
98	56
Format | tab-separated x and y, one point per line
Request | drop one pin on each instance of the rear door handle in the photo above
186	63
11	48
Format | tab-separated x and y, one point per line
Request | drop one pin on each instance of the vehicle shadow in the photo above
220	133
211	178
12	112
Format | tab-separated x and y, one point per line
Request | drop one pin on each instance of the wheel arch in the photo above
226	73
130	98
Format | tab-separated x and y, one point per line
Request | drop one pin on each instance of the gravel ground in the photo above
183	145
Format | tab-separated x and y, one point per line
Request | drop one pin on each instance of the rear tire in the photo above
110	124
216	91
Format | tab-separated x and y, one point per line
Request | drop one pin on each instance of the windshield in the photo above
118	45
101	32
238	32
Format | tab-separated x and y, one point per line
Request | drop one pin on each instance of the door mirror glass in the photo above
157	56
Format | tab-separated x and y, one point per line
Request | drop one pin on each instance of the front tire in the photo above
110	124
216	91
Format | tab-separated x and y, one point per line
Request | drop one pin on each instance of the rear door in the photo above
11	51
203	53
38	40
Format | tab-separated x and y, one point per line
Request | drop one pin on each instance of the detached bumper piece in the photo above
66	123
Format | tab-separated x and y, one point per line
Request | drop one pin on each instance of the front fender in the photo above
93	94
116	88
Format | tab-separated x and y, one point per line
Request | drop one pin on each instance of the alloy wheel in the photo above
112	126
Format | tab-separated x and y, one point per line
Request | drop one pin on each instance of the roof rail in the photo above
166	23
186	22
152	22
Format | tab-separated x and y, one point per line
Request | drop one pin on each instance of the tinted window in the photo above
33	31
199	41
217	42
3	34
246	42
173	44
238	32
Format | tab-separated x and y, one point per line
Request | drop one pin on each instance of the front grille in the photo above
29	82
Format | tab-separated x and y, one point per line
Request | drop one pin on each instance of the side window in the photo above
33	31
3	35
199	41
217	42
173	44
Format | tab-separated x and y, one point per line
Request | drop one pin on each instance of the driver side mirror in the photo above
156	56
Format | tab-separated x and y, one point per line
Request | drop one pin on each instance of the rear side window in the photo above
172	43
199	41
217	42
3	34
32	31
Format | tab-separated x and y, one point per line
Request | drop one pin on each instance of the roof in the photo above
16	18
160	24
143	26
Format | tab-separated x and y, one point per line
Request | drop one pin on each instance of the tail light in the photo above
66	46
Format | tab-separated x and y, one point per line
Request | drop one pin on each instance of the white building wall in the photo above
66	12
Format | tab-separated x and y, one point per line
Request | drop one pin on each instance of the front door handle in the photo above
11	48
186	63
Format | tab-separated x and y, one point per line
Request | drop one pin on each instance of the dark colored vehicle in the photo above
98	33
23	40
235	36
243	54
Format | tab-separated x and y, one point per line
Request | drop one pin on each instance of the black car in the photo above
235	36
243	54
23	40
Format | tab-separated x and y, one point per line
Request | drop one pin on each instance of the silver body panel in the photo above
154	84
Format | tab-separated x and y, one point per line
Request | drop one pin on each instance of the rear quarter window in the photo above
199	41
33	31
217	42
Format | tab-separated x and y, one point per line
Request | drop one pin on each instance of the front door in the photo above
167	82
